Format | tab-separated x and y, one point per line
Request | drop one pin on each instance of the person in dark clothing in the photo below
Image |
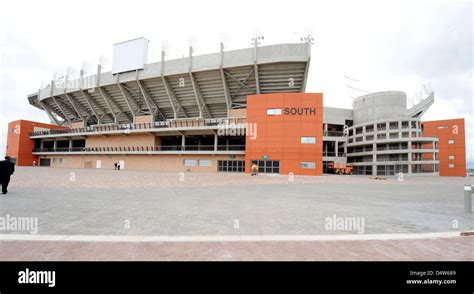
7	168
115	166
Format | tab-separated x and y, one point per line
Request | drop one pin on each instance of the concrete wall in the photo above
238	112
77	125
140	162
121	141
337	116
143	119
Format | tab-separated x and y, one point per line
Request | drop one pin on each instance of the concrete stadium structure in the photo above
224	112
384	137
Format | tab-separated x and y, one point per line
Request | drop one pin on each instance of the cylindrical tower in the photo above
381	105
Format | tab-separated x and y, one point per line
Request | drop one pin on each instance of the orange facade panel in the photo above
452	145
289	130
19	144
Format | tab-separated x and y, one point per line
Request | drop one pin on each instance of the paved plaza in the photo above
134	203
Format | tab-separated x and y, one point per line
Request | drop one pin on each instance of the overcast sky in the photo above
386	45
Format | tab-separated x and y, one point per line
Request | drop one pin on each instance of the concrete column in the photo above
400	129
42	144
183	142
374	159
410	154
55	144
325	129
70	143
467	198
215	142
337	148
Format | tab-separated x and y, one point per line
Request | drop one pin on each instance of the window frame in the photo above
308	140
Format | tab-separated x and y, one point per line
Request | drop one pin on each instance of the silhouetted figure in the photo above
7	168
118	166
115	166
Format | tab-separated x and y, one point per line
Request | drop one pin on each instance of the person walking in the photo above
7	168
254	169
115	166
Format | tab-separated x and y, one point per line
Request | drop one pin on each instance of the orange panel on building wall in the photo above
452	145
19	144
282	119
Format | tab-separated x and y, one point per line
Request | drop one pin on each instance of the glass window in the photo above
205	162
274	111
311	165
308	140
189	162
451	165
451	142
451	157
231	165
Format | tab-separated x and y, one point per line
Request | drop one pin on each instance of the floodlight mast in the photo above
309	40
255	43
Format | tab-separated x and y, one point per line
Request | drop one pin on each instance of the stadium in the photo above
226	111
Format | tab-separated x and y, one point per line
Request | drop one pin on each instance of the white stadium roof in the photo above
205	86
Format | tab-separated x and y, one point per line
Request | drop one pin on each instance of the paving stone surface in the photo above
139	203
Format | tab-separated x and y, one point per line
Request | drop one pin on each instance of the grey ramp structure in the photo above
206	86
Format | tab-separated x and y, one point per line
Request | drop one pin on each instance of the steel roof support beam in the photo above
225	86
199	99
75	106
147	97
94	106
173	100
257	81
242	83
129	100
197	92
110	102
166	85
255	65
65	116
148	105
309	42
169	90
107	99
305	77
49	111
62	108
71	99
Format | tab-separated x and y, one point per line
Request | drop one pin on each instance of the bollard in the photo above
467	198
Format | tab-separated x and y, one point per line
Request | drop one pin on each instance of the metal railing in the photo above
333	134
333	154
392	148
143	148
143	126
